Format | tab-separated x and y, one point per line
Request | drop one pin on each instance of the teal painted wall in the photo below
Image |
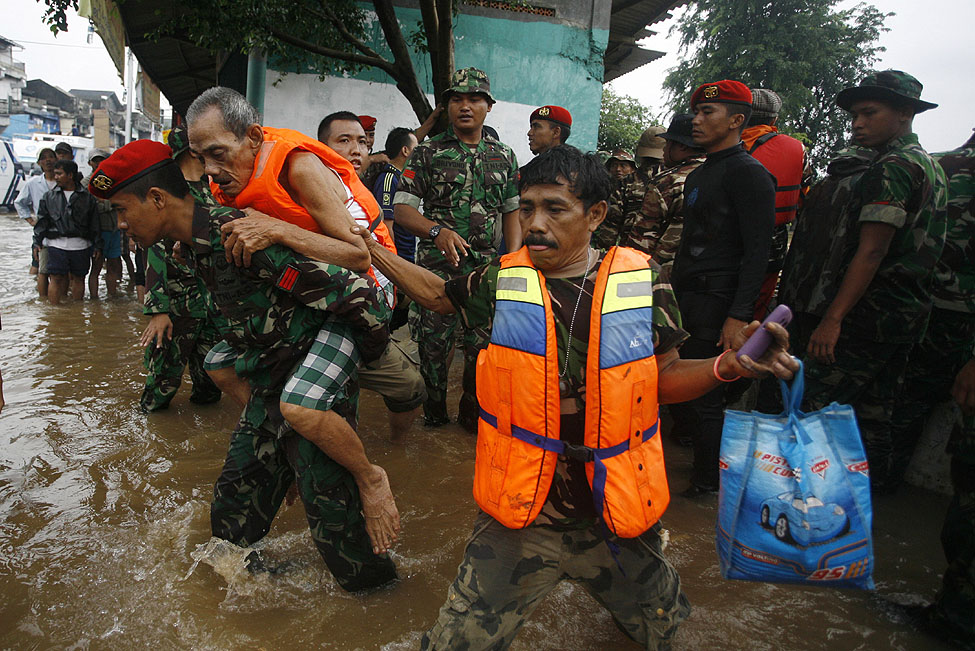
528	62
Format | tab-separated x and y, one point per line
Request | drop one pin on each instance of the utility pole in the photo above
129	93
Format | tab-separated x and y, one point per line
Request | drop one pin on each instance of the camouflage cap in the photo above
621	155
890	85
179	140
469	80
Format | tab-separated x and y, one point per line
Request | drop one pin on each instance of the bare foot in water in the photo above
379	508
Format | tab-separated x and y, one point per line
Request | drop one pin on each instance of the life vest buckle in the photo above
578	452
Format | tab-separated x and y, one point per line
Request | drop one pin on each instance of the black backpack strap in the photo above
761	140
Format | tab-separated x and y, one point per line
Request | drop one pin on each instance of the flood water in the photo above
105	543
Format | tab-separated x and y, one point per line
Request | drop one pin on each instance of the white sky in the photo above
930	39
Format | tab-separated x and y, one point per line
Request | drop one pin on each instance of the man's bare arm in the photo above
410	218
422	286
319	191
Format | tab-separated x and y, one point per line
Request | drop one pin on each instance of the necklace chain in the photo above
582	285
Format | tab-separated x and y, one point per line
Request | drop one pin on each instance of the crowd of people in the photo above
585	291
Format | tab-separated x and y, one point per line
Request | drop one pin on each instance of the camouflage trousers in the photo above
434	335
192	340
506	574
931	371
868	375
256	476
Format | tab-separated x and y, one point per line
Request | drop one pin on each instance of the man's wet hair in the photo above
68	166
396	140
326	124
238	114
587	177
168	178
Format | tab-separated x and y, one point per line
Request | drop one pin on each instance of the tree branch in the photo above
328	15
351	57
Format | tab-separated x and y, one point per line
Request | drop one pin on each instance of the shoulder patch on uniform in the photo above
409	174
288	278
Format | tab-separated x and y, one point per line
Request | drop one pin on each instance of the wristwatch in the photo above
434	231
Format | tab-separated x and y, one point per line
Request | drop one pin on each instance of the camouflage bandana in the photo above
469	80
886	85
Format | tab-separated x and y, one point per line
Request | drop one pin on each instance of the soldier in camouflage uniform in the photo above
941	360
658	227
467	184
276	310
858	353
185	323
629	188
506	572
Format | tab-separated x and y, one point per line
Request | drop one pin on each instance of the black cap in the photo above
680	130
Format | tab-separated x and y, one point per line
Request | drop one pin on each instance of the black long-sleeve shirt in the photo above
729	213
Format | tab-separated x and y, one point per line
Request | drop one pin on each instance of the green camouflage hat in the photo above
179	140
886	85
622	155
469	80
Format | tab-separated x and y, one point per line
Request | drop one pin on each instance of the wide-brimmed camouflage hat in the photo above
179	140
621	155
890	85
469	80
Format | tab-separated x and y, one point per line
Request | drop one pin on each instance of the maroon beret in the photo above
726	91
127	164
555	114
368	122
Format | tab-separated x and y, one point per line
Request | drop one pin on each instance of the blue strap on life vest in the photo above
586	454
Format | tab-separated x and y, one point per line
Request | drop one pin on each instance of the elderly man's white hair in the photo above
237	112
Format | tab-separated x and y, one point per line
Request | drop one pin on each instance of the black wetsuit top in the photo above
729	213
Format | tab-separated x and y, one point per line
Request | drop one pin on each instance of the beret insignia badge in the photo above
544	111
710	92
102	181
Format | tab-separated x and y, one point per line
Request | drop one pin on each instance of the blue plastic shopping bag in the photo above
794	505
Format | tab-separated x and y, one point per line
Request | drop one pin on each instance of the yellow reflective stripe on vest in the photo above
628	290
519	284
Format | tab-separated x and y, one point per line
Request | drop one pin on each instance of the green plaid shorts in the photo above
322	377
222	355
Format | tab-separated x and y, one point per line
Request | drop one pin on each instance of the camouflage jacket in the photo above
275	308
903	188
825	236
466	191
624	210
569	504
658	229
954	277
171	287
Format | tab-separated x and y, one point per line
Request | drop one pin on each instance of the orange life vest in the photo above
264	191
518	390
784	157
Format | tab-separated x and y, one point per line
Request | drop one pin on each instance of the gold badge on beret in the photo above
710	92
102	181
544	111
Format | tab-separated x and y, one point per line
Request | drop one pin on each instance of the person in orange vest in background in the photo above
785	158
569	472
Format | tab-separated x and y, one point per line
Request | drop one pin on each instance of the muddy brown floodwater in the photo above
104	523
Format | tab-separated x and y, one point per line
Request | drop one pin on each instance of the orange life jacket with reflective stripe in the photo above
264	191
518	390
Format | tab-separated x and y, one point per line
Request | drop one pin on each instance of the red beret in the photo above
368	122
127	164
555	114
726	91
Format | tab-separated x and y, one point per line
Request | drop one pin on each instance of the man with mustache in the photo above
466	182
569	470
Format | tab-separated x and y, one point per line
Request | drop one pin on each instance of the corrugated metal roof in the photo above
628	24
